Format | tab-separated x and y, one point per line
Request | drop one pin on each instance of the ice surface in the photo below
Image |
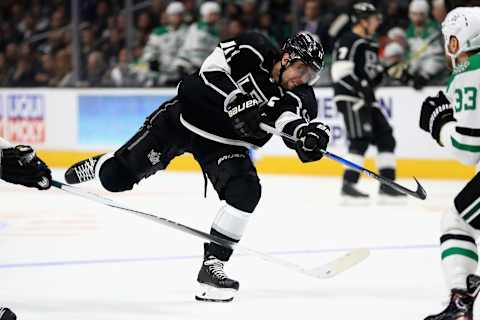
64	257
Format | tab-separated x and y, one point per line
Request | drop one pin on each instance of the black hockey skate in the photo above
352	196
82	171
7	314
461	302
215	286
388	195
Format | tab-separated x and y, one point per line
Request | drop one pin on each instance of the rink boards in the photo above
66	125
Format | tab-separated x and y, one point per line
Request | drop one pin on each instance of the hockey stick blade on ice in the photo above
419	193
327	270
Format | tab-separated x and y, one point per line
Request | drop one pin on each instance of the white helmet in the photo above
209	7
419	6
462	23
175	8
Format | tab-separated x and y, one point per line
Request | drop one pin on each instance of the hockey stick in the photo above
420	193
327	270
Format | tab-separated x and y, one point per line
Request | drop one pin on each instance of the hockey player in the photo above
453	120
215	116
356	71
20	165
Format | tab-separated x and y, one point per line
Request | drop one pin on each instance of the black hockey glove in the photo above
20	165
244	112
436	112
312	140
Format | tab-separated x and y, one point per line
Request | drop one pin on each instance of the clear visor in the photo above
306	73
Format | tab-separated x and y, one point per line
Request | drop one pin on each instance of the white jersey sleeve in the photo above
462	138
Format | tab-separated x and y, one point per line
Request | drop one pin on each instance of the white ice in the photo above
64	257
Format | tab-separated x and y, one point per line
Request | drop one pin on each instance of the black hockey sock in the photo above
388	173
220	252
350	176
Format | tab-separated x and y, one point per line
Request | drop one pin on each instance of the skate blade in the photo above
391	201
209	293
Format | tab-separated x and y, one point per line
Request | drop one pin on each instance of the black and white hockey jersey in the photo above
356	69
243	64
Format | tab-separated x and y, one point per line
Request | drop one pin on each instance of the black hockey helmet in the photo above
363	10
305	48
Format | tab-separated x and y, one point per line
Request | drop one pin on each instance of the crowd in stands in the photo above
171	38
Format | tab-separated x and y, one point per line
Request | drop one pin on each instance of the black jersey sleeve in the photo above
295	109
356	66
250	51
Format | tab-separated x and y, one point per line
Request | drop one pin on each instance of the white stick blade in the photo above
340	264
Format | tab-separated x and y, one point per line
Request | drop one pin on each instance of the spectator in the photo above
57	20
394	53
264	26
395	34
112	46
426	57
122	75
189	16
311	22
28	26
395	15
11	54
8	35
202	37
4	71
393	58
249	12
398	35
163	46
40	12
62	70
101	17
88	43
144	28
234	28
24	73
96	75
439	11
45	71
232	11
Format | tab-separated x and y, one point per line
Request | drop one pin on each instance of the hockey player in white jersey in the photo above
20	165
453	120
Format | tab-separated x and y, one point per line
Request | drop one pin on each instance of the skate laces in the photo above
215	266
86	171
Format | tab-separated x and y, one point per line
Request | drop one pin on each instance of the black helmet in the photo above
304	47
362	10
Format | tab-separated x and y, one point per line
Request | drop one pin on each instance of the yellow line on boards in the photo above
421	168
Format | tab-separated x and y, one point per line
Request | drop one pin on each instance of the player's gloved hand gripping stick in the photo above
420	193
